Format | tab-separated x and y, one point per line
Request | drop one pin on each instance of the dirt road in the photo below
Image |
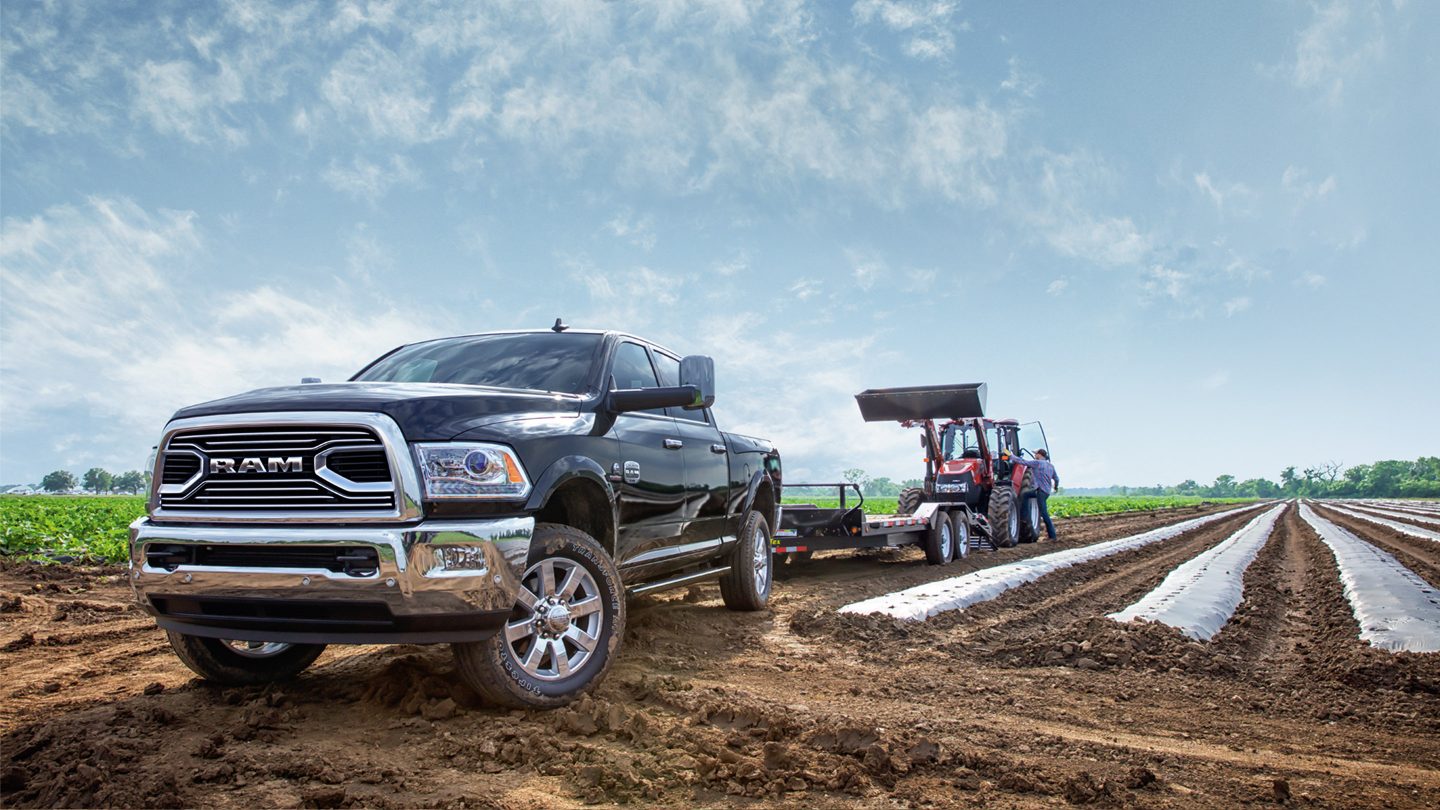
1032	699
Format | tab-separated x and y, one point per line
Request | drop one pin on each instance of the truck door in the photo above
707	466
651	486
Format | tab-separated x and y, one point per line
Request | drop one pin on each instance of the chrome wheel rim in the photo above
555	627
255	649
947	539
962	540
760	561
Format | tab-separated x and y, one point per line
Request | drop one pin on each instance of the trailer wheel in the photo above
910	500
1030	512
940	540
962	535
1004	516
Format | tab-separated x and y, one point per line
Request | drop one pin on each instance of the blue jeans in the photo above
1044	498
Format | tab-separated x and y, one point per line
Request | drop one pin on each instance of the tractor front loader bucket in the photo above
963	401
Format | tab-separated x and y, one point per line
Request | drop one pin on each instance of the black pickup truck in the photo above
500	492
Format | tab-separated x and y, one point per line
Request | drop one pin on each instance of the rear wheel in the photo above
561	637
1004	516
910	500
242	663
747	585
940	540
962	535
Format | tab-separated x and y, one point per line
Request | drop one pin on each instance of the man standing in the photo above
1046	480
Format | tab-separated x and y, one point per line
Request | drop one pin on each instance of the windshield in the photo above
960	442
533	362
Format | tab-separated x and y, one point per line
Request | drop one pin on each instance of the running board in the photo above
686	579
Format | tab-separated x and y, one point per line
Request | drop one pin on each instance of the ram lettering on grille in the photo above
245	465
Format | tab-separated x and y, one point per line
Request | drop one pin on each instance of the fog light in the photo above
459	560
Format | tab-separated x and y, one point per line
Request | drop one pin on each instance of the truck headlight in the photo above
471	470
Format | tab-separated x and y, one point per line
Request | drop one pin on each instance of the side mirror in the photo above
698	371
625	400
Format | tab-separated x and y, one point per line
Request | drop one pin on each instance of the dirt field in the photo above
1032	699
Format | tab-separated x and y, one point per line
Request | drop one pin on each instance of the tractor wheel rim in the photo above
555	626
946	541
760	561
962	540
256	649
1014	523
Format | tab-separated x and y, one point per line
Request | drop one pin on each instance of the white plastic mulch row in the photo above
955	593
1396	609
1403	528
1399	514
1416	506
1201	595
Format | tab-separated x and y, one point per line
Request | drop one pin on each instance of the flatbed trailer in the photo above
947	531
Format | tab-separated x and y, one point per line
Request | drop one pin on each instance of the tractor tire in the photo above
1004	516
1029	510
940	540
910	500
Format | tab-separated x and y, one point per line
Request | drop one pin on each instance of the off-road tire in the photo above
910	500
744	587
214	660
1003	533
494	667
1029	507
961	527
940	540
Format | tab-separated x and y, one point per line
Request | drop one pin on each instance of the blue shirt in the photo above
1045	475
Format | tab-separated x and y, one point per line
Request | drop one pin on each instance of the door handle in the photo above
673	444
717	448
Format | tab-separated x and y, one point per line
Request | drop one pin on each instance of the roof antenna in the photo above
559	326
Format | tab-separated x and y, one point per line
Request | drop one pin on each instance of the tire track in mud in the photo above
1420	556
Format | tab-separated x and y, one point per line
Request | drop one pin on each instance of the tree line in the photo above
97	480
1383	479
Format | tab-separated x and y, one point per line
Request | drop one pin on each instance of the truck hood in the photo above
424	411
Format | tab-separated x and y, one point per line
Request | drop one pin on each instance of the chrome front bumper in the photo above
435	581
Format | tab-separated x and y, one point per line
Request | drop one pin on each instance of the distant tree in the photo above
1288	482
882	488
912	483
1224	487
1187	487
98	480
58	481
856	476
132	482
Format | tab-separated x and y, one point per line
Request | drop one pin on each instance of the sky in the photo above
1191	239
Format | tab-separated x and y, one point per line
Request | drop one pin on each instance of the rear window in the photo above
533	362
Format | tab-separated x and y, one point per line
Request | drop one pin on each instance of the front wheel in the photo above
747	585
1004	516
563	633
242	663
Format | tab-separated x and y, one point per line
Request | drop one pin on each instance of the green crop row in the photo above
1061	506
88	529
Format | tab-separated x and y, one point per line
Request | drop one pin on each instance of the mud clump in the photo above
414	685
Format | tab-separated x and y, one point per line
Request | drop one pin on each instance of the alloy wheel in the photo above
555	626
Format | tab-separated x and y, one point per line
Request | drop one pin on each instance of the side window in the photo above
670	376
632	367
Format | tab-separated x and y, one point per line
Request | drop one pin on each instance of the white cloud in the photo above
388	94
95	320
1057	287
1214	381
1020	81
733	266
1237	305
866	267
638	231
1235	196
1312	280
1342	39
926	25
177	99
1296	181
805	289
1165	282
1062	212
370	181
952	149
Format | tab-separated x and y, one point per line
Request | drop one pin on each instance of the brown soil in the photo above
1033	699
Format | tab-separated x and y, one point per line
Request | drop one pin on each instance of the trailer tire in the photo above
1004	516
961	523
909	501
940	540
752	567
1029	510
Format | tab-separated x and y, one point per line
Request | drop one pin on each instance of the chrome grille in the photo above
277	467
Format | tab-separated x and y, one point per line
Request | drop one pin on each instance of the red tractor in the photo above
967	456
